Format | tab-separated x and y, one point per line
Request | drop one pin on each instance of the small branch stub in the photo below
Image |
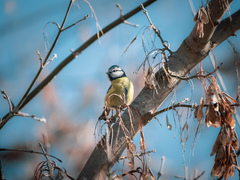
5	96
124	21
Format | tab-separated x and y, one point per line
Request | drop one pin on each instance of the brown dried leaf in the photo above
226	103
210	92
151	174
217	169
195	112
169	126
131	163
203	16
229	97
225	135
142	142
185	126
215	147
150	80
130	152
215	102
129	45
198	112
145	172
227	111
131	148
229	171
231	121
221	154
217	143
235	142
195	19
199	31
212	117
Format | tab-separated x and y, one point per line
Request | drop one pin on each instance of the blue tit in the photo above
120	93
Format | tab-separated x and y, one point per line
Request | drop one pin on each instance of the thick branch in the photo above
215	10
226	28
192	51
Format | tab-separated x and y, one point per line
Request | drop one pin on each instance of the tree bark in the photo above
192	51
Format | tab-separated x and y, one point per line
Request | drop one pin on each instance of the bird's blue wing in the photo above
126	94
109	88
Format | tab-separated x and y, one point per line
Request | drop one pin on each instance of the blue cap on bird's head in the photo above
115	72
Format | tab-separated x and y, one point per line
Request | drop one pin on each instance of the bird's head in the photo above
115	72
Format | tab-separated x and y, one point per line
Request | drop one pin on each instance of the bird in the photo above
120	92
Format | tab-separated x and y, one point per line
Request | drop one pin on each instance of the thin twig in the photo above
19	113
124	21
84	18
29	151
155	29
235	158
197	75
238	77
160	173
182	105
50	60
138	154
138	170
100	32
10	104
196	178
50	166
186	172
40	59
65	172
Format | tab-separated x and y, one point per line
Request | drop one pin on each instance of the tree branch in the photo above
197	75
226	28
30	151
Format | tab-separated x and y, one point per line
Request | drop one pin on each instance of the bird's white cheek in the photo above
118	74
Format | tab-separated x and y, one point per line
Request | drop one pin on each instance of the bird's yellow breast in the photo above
121	92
